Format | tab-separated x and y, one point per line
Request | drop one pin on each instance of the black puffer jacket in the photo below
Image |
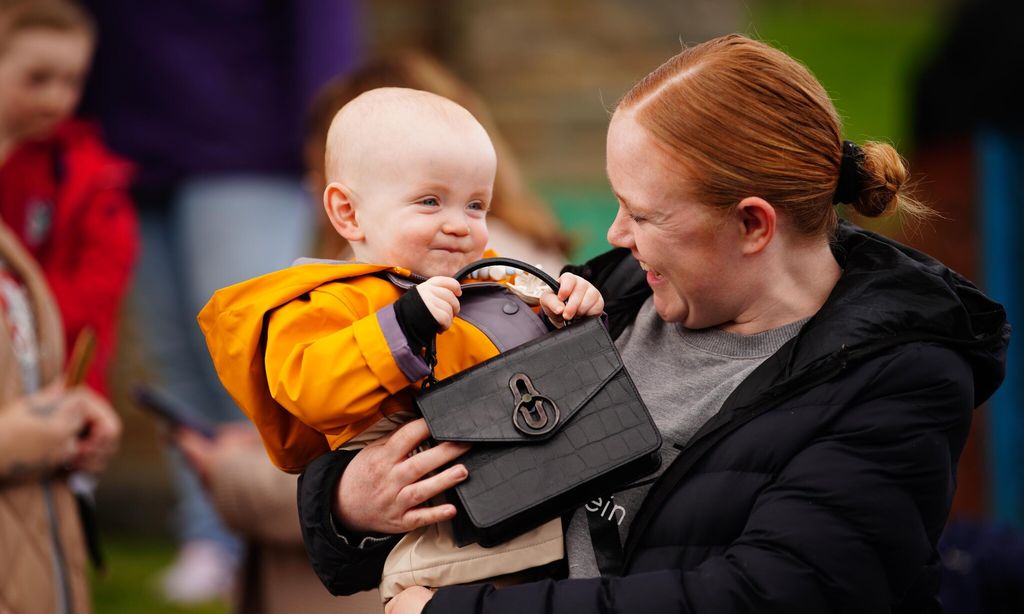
824	482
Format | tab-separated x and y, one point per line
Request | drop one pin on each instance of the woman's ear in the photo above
341	211
757	219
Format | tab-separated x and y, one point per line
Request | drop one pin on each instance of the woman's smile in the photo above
653	276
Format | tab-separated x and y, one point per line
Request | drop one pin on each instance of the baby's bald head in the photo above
371	132
410	177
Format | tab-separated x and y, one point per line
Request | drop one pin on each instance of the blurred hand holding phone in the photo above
171	412
200	441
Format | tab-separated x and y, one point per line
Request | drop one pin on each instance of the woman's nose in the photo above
618	233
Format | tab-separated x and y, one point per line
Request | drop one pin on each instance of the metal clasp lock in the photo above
529	414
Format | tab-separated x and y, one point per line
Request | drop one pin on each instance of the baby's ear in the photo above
342	212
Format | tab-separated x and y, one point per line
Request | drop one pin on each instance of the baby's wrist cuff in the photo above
415	320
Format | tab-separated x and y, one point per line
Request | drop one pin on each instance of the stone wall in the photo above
550	69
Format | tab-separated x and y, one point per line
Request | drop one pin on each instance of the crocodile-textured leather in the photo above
605	434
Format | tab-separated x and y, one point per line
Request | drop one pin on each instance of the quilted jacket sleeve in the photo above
842	528
349	563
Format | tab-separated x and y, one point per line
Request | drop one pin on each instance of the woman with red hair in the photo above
813	382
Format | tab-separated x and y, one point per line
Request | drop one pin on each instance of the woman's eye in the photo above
636	218
430	201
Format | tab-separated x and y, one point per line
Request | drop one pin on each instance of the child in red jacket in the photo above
61	191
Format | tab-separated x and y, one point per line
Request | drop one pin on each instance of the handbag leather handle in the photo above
512	262
431	350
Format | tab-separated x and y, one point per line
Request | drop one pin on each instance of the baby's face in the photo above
41	75
421	197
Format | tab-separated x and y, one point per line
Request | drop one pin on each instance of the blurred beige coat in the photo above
29	548
258	501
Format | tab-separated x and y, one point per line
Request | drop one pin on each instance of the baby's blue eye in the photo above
430	201
477	206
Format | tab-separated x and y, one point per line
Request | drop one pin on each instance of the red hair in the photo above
745	119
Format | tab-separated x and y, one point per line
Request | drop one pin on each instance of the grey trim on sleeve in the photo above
413	366
337	533
364	543
367	542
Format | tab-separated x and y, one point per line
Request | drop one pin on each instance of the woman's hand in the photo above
40	433
576	297
383	488
410	601
100	432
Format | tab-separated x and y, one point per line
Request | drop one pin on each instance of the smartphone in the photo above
171	412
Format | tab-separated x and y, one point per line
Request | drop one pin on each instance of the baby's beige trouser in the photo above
429	557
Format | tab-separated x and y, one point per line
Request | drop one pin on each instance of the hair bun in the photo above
884	175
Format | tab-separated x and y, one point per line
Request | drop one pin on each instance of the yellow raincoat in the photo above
303	354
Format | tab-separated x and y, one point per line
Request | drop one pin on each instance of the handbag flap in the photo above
565	368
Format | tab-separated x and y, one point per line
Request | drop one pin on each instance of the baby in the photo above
327	354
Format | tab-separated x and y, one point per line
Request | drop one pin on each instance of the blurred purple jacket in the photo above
189	87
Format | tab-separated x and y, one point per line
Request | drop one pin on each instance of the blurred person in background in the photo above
257	502
276	576
67	241
62	193
47	431
207	99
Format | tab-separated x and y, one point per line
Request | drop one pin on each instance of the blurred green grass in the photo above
130	583
864	52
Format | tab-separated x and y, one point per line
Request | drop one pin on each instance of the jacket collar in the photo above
888	294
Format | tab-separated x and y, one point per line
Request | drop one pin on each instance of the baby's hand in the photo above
440	295
576	297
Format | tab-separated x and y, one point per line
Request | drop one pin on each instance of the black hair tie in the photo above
851	174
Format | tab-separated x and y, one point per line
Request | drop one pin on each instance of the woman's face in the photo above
689	250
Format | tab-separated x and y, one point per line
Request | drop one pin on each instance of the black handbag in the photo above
552	423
